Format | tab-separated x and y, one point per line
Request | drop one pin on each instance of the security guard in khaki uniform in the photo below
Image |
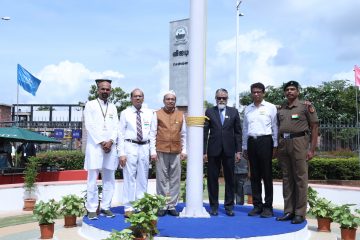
298	125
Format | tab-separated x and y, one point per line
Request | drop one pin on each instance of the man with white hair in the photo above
134	149
169	129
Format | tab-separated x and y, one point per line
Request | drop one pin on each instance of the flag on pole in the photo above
357	75
28	82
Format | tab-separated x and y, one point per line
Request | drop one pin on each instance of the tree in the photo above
208	105
334	100
117	96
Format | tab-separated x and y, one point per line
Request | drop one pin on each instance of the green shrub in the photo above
328	169
67	160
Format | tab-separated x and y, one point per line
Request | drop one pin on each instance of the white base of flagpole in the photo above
195	213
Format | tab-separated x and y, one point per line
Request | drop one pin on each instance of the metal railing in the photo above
338	135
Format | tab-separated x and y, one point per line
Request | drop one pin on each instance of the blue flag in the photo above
26	80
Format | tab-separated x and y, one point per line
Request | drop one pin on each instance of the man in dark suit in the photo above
27	149
222	144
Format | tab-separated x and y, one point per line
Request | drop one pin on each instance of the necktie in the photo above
222	116
138	126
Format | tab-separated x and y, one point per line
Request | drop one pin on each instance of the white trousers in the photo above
108	184
135	173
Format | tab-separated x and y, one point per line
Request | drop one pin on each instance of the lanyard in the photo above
102	111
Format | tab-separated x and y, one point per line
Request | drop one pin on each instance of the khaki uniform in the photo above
294	139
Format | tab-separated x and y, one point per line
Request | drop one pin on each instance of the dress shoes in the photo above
267	213
161	212
286	217
173	212
230	213
214	212
298	219
255	211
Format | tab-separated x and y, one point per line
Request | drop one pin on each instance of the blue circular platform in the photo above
241	226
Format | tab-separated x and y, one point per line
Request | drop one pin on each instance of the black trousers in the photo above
213	171
260	151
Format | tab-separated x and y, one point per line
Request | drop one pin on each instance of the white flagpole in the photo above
17	104
357	116
194	173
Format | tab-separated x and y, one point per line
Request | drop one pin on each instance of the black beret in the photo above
291	83
102	80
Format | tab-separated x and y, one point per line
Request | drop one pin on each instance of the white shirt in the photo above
259	121
127	127
153	134
101	122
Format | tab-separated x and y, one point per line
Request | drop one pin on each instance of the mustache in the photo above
104	95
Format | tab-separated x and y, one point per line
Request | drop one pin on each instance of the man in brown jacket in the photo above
169	130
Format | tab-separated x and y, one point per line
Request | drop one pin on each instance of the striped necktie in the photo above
138	126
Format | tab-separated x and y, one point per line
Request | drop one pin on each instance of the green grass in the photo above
16	220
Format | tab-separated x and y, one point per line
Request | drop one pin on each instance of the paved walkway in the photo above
30	231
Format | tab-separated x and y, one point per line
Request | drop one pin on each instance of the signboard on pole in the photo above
58	133
179	60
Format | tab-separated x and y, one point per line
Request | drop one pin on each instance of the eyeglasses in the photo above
221	98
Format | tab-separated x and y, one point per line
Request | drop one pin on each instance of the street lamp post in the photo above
238	15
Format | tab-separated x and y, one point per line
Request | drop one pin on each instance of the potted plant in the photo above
46	213
142	225
323	210
348	220
71	206
150	203
30	174
125	234
320	208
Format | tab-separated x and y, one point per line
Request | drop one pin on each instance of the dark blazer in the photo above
217	137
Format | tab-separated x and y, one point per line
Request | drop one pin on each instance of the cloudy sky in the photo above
67	44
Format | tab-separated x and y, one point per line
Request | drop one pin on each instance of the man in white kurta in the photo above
101	122
134	151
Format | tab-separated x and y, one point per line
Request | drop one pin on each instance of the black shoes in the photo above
161	213
214	212
286	217
255	211
173	212
267	213
230	213
298	219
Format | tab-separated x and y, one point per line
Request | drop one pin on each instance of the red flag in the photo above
357	75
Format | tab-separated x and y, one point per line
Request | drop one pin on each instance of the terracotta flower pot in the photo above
70	221
348	233
324	224
29	204
47	231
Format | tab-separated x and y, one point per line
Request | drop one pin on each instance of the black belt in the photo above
293	135
259	137
137	142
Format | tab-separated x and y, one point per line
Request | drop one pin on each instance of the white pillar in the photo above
194	179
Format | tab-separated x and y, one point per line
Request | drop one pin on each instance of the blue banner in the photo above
28	82
58	133
76	133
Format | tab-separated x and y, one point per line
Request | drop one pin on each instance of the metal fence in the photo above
337	135
333	135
